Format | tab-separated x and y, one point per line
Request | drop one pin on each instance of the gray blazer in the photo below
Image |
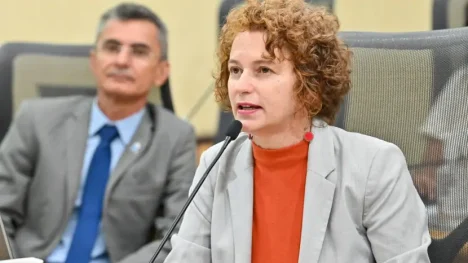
40	168
360	205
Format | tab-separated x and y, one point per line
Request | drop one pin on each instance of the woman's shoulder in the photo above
361	152
229	153
357	142
373	162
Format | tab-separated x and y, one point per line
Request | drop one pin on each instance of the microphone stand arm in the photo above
189	201
200	102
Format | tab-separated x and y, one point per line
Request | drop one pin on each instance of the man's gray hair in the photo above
132	11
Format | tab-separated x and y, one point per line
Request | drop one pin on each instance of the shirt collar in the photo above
126	127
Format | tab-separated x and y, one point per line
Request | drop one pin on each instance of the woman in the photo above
293	188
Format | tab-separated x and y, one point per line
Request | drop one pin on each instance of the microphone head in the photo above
234	129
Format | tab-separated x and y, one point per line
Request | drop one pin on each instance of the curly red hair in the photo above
321	61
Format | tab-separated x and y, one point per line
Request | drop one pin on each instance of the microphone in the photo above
232	132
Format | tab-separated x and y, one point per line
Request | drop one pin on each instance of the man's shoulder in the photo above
53	106
169	121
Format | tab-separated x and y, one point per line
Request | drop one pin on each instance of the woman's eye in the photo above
234	70
265	70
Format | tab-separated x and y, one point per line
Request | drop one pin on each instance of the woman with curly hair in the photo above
293	188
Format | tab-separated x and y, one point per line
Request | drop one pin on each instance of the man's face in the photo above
127	59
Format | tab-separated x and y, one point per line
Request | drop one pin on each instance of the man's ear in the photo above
92	59
162	75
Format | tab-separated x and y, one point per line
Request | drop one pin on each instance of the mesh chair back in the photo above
401	93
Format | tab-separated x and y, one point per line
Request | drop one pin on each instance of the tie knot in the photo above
108	133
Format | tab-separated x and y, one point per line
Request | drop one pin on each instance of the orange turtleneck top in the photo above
279	187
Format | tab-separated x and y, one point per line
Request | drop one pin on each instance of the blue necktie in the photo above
89	216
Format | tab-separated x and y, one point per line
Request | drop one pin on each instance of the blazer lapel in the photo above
319	193
77	135
240	191
131	153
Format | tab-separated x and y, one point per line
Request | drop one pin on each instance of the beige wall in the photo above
192	34
384	15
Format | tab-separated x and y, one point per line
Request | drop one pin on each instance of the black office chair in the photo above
225	118
39	70
329	4
446	249
396	79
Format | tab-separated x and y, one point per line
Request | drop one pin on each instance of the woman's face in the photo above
260	90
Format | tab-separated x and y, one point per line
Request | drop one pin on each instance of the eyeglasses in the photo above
136	50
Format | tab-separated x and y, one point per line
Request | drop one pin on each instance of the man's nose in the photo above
123	57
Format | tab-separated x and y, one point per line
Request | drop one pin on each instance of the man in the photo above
94	180
444	178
